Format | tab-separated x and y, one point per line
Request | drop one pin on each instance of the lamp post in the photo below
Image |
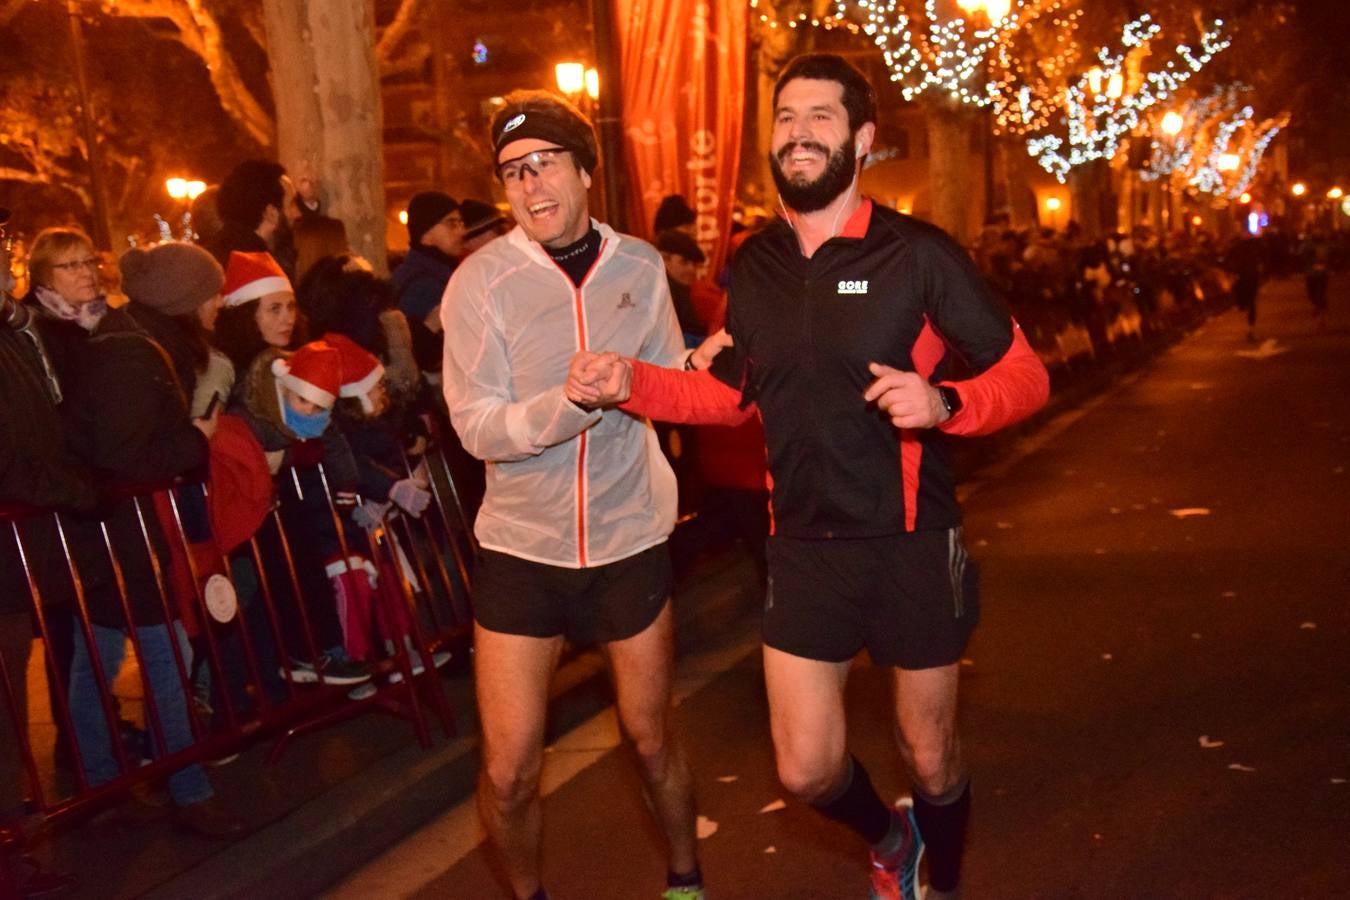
581	84
1172	123
1052	205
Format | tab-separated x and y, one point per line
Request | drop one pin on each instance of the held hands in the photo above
909	400
598	379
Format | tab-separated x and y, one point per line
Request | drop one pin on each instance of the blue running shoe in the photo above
896	876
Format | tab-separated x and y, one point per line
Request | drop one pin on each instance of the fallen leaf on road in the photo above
1106	656
1195	635
706	828
1200	386
1338	781
775	806
1100	551
1239	767
981	543
1269	347
1207	744
1096	837
1228	595
1187	512
1309	626
1004	526
771	849
1115	510
1138	506
1099	484
727	779
1339	470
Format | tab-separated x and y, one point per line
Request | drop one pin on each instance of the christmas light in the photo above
1094	123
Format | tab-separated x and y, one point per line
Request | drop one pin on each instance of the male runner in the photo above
842	315
579	501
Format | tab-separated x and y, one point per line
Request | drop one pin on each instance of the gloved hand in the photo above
369	514
410	497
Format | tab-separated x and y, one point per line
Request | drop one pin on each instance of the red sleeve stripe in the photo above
691	398
1007	392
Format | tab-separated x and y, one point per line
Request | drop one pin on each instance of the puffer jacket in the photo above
565	486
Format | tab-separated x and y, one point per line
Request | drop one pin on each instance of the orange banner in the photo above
683	74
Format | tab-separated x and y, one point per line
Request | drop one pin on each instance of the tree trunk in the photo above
329	120
1093	199
951	173
1017	170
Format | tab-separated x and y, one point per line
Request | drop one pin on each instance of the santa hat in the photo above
249	276
314	372
361	371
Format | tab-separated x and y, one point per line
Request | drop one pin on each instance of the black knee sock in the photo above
857	805
688	879
942	824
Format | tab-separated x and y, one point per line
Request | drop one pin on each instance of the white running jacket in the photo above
564	487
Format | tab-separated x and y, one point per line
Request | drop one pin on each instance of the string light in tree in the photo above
1095	123
768	17
927	51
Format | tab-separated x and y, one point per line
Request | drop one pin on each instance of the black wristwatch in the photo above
951	399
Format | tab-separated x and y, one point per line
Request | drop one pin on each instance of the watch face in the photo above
950	399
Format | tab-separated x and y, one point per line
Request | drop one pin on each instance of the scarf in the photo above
86	315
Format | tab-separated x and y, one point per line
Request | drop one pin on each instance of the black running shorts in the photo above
911	599
593	605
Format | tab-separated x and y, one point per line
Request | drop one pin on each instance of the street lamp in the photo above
1335	193
1228	162
1052	205
996	10
571	77
1172	123
1298	189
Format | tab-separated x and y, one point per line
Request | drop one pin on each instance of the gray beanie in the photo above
174	278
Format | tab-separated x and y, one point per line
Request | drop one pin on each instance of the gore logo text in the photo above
853	287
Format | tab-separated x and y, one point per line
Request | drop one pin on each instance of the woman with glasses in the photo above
125	416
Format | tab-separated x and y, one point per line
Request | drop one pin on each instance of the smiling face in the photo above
813	154
275	316
549	201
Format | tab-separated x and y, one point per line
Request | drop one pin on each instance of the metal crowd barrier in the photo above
421	596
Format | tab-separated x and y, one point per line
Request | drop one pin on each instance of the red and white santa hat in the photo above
249	276
314	372
361	371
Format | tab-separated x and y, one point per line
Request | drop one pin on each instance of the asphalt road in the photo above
1155	704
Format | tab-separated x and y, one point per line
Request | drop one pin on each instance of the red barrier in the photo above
253	659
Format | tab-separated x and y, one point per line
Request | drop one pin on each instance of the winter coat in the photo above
126	417
420	282
35	467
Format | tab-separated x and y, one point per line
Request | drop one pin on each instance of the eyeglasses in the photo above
77	265
454	220
539	163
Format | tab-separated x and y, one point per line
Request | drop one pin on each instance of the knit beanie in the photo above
673	212
361	371
424	211
173	277
314	372
478	217
249	276
545	117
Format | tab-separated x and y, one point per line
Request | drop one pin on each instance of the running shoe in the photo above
684	893
331	668
896	877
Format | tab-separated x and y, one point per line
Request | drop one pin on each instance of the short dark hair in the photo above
248	190
860	100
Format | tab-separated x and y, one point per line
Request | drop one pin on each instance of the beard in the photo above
808	196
